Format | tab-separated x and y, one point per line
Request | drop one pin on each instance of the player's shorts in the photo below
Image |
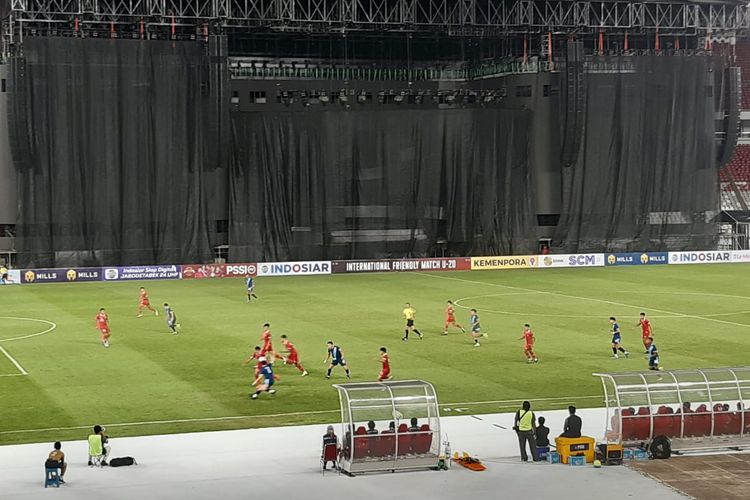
268	382
336	362
476	330
409	322
528	348
173	322
384	374
616	339
145	303
450	321
104	331
653	361
292	358
266	349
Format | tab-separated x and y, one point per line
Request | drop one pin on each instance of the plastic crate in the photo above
628	454
577	460
553	457
640	455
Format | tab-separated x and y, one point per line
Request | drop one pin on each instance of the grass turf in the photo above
151	382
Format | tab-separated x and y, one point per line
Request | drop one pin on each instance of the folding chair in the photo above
51	475
329	455
96	450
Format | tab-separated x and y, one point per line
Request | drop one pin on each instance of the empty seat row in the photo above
636	426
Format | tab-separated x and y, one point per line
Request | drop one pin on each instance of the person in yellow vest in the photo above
409	315
525	424
98	444
3	275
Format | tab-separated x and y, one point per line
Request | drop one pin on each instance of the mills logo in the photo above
71	275
29	276
644	258
611	259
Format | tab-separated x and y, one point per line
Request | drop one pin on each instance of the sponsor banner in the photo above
740	255
198	271
13	278
707	257
571	260
637	258
61	275
294	268
141	273
400	265
504	262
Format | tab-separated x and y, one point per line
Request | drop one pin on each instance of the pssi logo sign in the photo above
294	268
710	257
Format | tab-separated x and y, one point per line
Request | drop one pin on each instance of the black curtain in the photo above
363	184
645	178
108	141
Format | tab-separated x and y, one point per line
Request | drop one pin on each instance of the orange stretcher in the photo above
469	462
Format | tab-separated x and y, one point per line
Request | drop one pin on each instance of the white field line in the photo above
12	375
620	304
12	360
291	414
52	326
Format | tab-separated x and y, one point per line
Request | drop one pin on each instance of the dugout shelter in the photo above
697	409
395	443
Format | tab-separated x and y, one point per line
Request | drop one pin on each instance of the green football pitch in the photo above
151	382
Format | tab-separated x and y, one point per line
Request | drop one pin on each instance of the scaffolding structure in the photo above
456	16
696	409
379	433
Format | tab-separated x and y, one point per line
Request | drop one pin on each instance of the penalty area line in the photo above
13	360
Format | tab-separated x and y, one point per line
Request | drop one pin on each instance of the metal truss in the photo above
473	16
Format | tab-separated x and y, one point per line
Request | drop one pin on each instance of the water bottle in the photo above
448	456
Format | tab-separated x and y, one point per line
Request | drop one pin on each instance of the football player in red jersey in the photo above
646	330
255	355
267	346
145	303
102	324
385	372
450	318
528	347
292	357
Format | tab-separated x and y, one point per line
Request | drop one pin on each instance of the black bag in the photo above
122	462
661	447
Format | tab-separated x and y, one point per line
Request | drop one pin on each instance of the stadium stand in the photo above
738	168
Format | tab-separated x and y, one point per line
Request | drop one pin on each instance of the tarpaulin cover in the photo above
108	142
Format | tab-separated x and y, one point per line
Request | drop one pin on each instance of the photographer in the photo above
524	425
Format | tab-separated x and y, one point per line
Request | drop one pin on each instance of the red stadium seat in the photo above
628	425
405	440
361	444
643	424
663	422
383	445
722	421
700	422
423	440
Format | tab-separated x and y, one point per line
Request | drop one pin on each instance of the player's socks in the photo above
347	374
254	296
328	374
418	333
614	351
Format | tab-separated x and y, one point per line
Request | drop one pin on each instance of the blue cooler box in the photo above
640	455
553	457
577	460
